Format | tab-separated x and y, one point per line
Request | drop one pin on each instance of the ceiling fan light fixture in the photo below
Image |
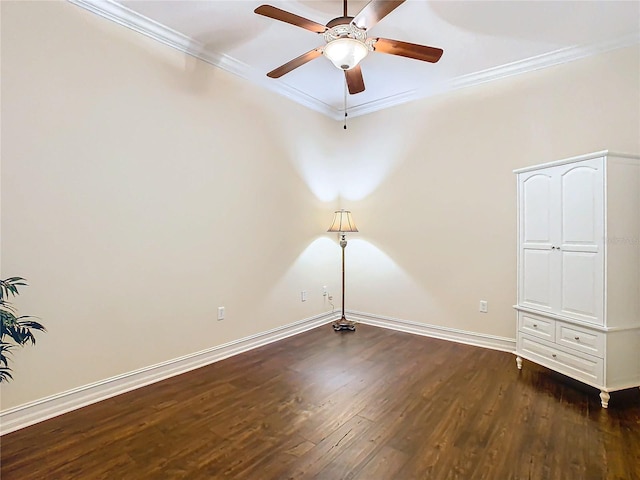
345	52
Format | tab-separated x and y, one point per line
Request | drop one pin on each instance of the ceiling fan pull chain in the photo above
345	104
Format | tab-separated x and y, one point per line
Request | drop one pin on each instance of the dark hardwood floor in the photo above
370	405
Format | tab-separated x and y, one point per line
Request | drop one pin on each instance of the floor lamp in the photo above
343	223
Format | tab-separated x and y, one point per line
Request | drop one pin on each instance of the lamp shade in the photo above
345	53
342	222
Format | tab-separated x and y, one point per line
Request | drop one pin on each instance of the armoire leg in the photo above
519	362
604	398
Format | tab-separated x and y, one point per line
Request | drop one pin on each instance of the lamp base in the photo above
344	324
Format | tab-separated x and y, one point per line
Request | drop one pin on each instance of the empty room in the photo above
374	240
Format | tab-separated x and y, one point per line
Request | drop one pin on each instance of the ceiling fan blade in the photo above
355	81
295	63
283	16
409	50
375	11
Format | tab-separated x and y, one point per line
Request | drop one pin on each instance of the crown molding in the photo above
126	17
122	15
557	57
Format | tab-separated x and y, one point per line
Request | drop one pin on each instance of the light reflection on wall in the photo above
319	172
321	257
350	166
375	283
343	169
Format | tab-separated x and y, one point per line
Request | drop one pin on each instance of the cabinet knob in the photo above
576	338
535	325
553	355
553	248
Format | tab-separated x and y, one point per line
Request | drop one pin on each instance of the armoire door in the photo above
538	229
581	240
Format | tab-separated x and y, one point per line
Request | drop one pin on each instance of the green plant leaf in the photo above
5	374
7	306
10	286
21	335
18	329
31	324
5	349
8	320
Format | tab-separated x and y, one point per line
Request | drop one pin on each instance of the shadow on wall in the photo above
322	257
370	270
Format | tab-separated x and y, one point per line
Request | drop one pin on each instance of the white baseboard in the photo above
37	411
461	336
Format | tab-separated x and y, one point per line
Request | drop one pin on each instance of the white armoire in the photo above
578	308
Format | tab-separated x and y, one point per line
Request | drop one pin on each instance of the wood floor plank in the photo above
385	464
322	456
367	405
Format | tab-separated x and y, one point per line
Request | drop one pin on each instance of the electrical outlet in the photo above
220	313
303	296
484	306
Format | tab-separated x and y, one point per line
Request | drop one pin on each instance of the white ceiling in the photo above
482	41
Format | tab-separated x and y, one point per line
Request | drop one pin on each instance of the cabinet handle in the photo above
553	355
576	338
535	325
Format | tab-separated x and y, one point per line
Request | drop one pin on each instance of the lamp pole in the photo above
343	323
343	244
343	223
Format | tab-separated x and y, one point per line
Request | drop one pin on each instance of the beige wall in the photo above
142	189
438	232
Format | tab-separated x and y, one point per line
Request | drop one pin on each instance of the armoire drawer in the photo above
541	327
582	339
577	365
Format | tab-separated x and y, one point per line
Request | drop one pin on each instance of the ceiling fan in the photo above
347	42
